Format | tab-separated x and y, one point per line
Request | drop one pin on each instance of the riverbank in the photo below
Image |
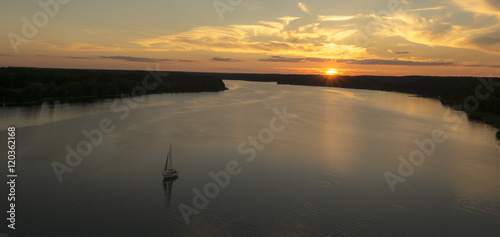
478	97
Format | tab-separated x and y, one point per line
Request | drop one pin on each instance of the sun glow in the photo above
331	71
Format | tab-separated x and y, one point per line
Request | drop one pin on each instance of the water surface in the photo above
321	176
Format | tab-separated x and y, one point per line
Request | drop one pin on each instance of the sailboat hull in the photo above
166	180
170	174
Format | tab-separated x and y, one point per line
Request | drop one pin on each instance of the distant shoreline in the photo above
478	97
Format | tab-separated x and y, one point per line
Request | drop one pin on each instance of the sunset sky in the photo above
389	37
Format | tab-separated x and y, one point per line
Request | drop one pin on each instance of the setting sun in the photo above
331	72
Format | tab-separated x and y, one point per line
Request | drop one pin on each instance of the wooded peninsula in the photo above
27	86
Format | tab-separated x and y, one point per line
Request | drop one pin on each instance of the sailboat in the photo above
169	171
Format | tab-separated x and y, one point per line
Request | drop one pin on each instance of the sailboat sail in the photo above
169	171
166	163
169	159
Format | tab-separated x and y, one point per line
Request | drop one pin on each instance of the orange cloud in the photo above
487	7
440	31
268	37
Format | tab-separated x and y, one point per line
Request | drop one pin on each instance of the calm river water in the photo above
319	172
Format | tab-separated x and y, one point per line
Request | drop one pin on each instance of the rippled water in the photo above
322	175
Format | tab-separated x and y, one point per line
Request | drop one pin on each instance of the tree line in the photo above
33	85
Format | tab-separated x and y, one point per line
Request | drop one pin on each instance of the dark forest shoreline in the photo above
31	86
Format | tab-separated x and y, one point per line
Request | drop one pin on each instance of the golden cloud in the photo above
487	7
304	8
440	31
268	37
335	18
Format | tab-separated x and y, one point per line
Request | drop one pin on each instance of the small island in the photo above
28	86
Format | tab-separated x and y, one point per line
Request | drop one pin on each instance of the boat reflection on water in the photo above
168	183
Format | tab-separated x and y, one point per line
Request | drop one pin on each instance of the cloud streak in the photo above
429	9
83	47
304	8
136	59
392	62
293	60
217	59
73	57
354	61
281	59
397	52
335	18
